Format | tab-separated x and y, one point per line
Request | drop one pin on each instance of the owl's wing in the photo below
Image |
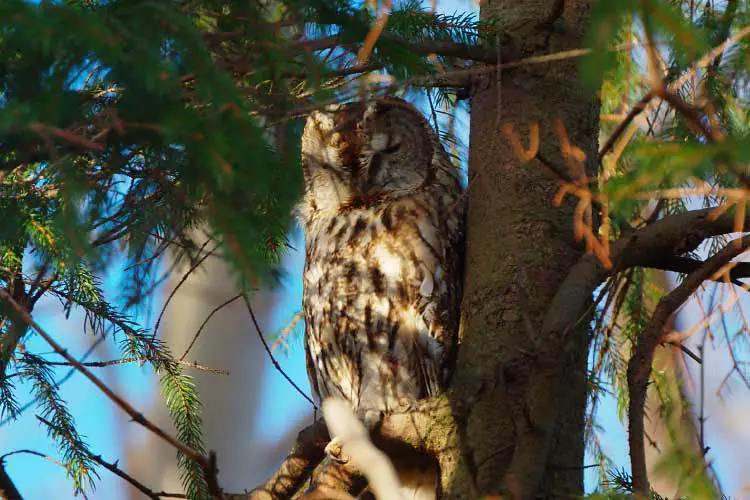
451	300
439	250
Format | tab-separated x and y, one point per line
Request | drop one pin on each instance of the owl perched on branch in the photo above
384	233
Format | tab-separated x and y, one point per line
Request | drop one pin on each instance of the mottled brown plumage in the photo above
384	230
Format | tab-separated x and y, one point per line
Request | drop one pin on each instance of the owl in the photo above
383	217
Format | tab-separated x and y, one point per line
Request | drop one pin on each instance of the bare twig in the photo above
182	281
113	362
32	452
205	321
115	469
625	123
270	354
639	366
695	357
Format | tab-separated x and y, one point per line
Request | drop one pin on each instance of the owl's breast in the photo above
389	249
375	276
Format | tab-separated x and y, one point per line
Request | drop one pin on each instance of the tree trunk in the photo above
523	405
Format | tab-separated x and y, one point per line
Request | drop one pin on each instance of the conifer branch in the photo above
121	361
124	405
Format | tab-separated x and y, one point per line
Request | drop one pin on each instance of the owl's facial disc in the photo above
396	149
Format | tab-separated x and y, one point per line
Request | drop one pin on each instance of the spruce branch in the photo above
124	406
60	423
121	361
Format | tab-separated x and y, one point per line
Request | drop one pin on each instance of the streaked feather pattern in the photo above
384	230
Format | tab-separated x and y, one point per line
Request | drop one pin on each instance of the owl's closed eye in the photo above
356	151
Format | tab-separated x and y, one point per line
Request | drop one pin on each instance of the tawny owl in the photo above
384	230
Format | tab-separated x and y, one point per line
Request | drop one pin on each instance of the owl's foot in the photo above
334	449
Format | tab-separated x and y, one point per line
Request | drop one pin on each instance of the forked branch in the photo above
675	235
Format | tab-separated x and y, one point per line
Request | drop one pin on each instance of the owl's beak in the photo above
364	185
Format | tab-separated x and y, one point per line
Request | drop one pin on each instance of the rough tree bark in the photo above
522	405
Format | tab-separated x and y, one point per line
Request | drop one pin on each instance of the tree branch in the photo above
114	469
686	265
673	235
270	354
402	436
666	238
639	366
426	47
124	405
121	361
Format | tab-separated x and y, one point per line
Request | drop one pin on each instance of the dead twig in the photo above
182	281
205	321
115	469
271	356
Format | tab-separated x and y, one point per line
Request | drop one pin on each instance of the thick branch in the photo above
336	481
399	434
639	367
671	236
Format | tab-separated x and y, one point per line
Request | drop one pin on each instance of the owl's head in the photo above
358	151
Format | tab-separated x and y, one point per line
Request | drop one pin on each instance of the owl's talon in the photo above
334	449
